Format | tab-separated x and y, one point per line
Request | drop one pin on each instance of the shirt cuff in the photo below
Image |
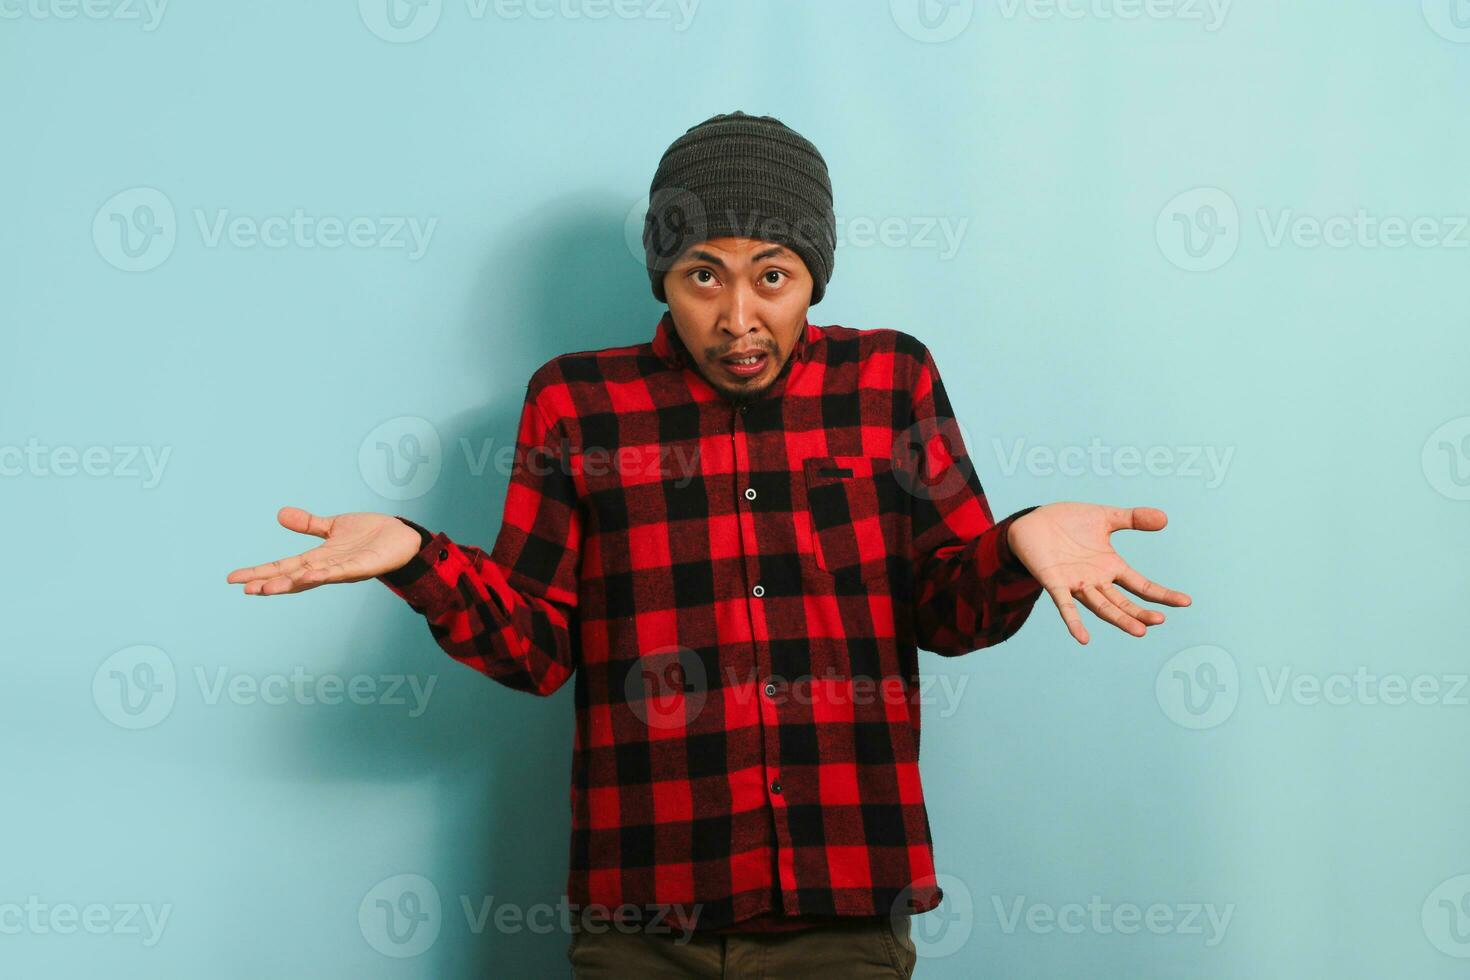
1006	558
412	570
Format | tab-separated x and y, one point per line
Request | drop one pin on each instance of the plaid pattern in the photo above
739	594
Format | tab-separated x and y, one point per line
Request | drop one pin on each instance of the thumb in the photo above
296	519
1139	519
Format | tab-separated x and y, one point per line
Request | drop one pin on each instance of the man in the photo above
736	537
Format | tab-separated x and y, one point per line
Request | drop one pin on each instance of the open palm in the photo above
1067	548
357	547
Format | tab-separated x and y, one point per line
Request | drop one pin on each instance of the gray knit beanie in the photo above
746	176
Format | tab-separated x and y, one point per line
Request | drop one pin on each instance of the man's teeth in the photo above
747	360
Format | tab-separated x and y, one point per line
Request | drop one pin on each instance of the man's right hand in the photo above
357	547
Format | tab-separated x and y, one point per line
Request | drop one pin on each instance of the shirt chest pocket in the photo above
856	510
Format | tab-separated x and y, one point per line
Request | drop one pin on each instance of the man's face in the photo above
733	296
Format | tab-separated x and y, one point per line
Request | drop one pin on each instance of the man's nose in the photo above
741	315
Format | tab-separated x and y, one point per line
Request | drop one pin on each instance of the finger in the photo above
298	581
251	573
1145	616
296	519
1068	609
281	566
1152	591
334	569
1138	519
280	585
1093	599
311	574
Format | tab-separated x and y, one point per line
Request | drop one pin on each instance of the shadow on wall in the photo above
496	763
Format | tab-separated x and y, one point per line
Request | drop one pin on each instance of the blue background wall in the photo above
1100	217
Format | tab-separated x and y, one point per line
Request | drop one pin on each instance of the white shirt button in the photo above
750	493
758	591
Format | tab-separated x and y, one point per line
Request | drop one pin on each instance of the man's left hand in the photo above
1066	547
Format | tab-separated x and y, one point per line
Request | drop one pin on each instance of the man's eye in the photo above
697	273
774	272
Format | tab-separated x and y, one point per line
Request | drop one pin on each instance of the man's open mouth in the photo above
745	365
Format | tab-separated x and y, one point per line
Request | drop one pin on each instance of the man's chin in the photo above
735	390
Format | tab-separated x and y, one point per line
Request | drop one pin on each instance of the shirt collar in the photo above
671	350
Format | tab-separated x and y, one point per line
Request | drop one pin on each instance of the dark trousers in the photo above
863	949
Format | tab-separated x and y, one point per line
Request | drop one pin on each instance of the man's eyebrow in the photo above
704	256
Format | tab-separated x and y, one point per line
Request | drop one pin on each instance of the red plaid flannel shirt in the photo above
739	595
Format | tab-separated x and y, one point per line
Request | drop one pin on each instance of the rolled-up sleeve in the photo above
971	591
511	613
